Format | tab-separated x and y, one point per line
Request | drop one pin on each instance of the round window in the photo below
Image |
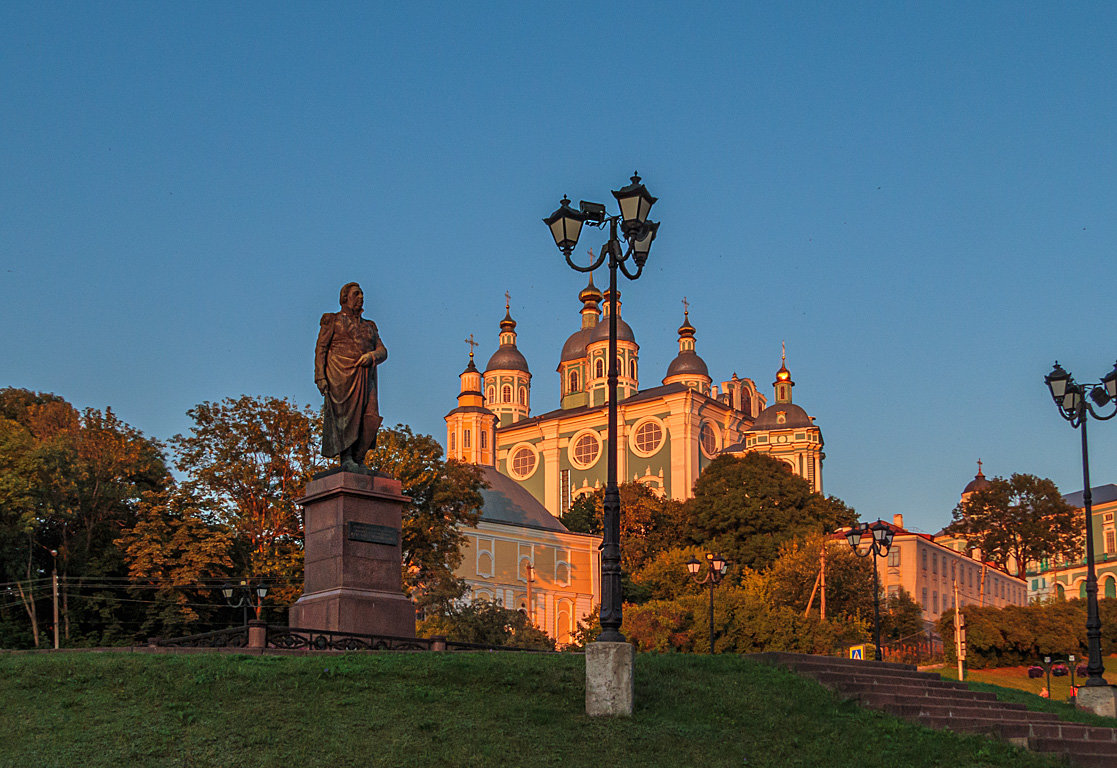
523	462
648	438
708	438
586	450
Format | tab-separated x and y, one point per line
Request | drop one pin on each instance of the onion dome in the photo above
687	361
575	346
600	332
781	416
979	482
507	356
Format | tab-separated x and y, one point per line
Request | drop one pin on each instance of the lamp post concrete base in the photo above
1099	699
609	679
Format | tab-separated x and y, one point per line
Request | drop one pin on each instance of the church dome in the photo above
507	358
600	332
575	346
794	416
688	362
979	482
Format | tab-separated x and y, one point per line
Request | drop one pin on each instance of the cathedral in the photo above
667	433
519	553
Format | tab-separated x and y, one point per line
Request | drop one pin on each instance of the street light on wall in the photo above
879	544
1073	401
634	242
716	567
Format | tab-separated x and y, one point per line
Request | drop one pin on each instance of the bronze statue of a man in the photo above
345	360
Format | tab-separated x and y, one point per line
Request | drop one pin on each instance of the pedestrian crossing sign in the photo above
857	652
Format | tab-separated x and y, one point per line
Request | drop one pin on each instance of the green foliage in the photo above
70	482
745	507
444	496
743	623
849	578
486	623
901	617
1020	519
582	517
170	550
649	523
1013	635
245	462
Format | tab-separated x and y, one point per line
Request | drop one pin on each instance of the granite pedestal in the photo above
352	566
609	679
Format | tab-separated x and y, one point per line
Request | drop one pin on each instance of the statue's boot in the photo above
348	463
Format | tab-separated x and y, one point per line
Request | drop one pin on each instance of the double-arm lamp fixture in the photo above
244	592
634	242
1073	402
879	545
716	568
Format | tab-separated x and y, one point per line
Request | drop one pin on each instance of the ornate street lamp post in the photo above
879	544
634	242
716	566
243	594
1073	404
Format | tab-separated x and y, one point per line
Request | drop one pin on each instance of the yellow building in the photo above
927	570
1063	579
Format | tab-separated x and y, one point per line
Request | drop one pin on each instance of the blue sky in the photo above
918	198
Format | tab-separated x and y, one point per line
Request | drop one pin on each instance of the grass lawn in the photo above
451	709
1013	684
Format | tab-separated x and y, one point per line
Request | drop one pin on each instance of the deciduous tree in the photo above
245	461
445	495
746	507
1021	519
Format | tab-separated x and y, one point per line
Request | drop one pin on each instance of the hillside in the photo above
475	709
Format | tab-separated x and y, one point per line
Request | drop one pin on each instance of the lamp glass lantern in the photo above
853	536
1110	383
261	591
643	244
227	591
693	566
635	201
565	225
1057	382
718	562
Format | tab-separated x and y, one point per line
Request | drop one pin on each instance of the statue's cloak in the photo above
351	412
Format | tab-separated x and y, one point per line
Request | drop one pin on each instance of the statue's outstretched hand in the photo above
368	358
323	386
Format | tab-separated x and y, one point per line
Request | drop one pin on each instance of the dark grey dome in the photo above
600	332
507	358
688	362
977	484
575	346
795	416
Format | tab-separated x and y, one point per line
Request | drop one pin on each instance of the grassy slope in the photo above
89	710
1013	684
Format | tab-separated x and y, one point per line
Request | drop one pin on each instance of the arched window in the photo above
452	441
484	439
506	394
632	369
573	381
1110	587
599	369
465	439
1082	591
492	394
523	395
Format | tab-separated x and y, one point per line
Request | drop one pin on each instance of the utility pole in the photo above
822	582
54	585
530	605
959	634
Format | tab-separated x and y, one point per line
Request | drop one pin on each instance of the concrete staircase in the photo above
925	698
